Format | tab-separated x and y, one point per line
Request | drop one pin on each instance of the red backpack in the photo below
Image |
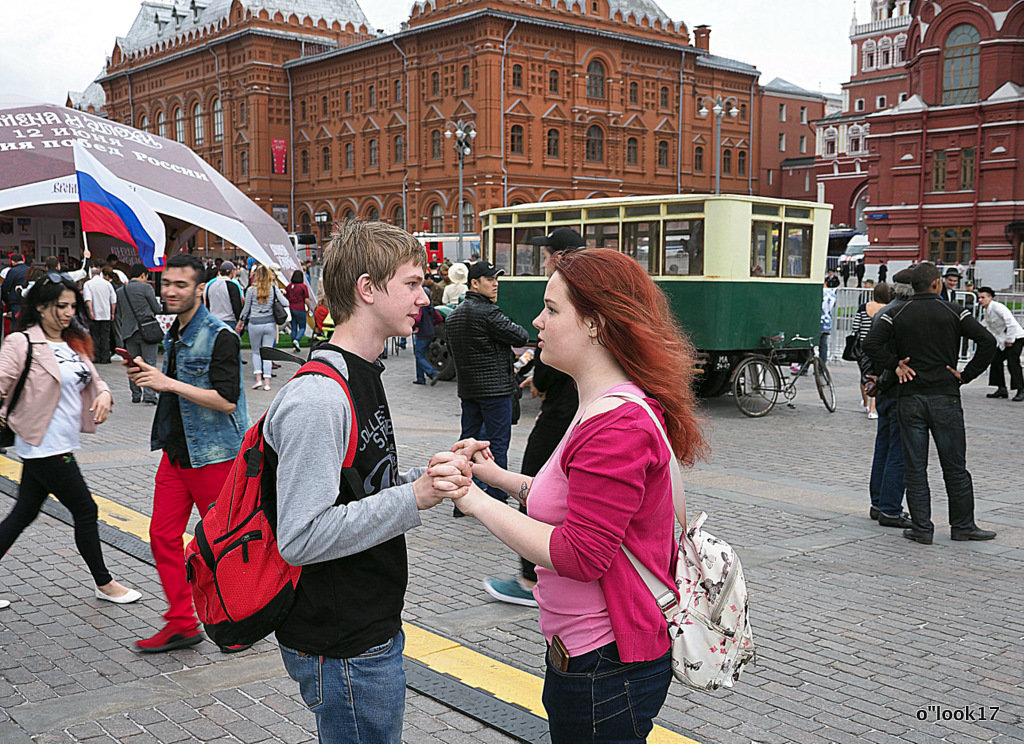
243	589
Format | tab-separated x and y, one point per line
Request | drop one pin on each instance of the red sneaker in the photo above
169	639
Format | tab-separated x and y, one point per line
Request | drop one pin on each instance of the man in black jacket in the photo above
925	337
481	338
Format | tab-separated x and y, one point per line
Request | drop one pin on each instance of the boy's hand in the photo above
447	476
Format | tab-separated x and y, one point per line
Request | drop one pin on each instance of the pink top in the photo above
606	484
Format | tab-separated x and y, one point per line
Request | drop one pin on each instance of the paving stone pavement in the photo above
862	635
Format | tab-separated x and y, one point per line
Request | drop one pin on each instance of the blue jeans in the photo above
943	416
490	419
602	699
356	701
887	467
423	367
298	325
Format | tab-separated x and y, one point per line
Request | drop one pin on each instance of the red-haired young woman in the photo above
606	486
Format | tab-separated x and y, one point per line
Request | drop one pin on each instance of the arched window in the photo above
179	125
323	106
437	219
553	81
466	80
727	162
663	100
348	100
885	53
743	112
349	216
868	55
373	215
662	154
399	148
698	159
242	113
371	96
304	161
595	144
325	154
350	156
741	162
595	80
632	151
517	76
435	83
305	222
468	218
553	138
218	120
161	124
515	140
960	65
243	163
197	124
398	91
435	144
144	123
398	217
373	152
634	93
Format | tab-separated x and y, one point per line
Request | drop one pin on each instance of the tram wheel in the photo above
756	386
823	380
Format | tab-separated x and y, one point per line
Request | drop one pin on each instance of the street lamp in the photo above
719	110
322	218
464	133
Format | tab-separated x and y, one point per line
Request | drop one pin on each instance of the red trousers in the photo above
177	489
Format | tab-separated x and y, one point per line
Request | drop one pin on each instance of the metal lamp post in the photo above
464	132
322	218
719	110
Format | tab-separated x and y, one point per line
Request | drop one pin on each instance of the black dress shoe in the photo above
900	521
1000	393
419	382
973	534
874	513
1019	396
925	538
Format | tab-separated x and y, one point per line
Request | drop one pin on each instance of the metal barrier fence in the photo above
849	299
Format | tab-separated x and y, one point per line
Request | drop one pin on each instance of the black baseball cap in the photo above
483	268
560	239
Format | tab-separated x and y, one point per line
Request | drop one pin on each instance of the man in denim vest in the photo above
200	420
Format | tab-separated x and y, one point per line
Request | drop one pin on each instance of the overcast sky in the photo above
48	47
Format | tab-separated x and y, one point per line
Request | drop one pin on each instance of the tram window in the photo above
796	259
696	207
503	248
642	241
643	211
798	212
765	209
504	219
684	248
568	214
529	261
602	235
764	248
604	213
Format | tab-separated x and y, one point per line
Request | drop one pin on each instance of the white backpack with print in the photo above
709	626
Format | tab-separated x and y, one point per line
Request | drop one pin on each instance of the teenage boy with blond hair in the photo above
342	642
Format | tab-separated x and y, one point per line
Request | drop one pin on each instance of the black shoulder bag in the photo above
6	432
150	330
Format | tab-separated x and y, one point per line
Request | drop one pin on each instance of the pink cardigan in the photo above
39	399
620	491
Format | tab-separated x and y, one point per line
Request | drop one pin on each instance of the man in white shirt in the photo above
101	303
1009	341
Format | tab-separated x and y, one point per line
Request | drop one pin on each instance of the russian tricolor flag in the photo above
111	207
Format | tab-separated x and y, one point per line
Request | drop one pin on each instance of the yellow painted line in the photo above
437	652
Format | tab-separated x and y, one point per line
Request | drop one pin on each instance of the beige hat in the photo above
458	273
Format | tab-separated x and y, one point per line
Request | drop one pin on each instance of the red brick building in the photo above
787	140
310	111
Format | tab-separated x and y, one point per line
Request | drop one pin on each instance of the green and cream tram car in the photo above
740	272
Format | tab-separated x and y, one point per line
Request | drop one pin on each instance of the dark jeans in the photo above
547	433
490	419
100	332
1011	356
887	467
943	416
602	699
59	475
423	367
137	347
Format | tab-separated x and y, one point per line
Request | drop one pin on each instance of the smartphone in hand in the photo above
123	353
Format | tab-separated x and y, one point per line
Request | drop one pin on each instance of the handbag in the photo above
280	311
852	351
6	432
709	624
150	330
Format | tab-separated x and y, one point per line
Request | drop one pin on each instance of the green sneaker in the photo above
510	591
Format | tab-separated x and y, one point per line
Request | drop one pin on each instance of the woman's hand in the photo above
448	476
469	501
101	404
473	449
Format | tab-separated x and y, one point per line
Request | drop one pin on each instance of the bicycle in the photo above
759	379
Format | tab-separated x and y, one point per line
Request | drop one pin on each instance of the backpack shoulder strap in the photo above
318	367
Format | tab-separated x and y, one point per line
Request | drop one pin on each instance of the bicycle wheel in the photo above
755	386
823	380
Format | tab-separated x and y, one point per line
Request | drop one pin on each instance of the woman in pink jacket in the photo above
607	485
63	395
